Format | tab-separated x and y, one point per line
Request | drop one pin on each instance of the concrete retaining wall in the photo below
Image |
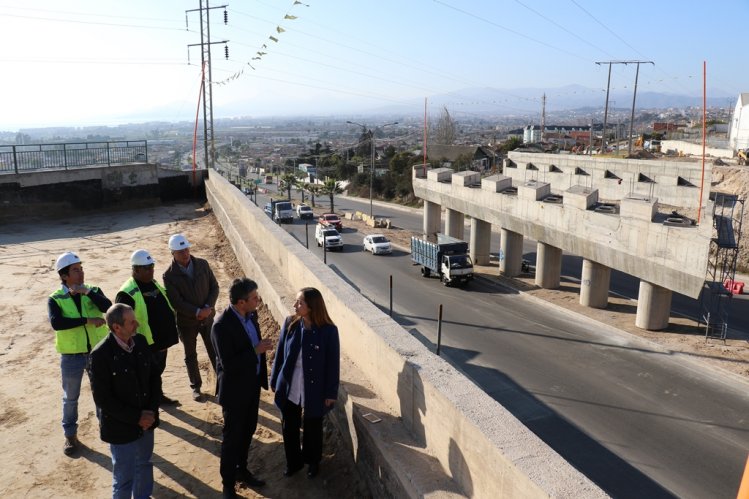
62	192
440	435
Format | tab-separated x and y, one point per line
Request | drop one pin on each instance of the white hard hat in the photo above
65	260
141	257
178	242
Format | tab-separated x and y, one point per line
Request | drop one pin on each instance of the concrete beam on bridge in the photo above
432	220
455	223
653	307
548	265
510	253
594	284
480	244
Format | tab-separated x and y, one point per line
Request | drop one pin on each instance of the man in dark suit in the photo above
240	371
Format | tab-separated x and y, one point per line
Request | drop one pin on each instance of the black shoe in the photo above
291	470
229	493
196	395
313	470
70	445
167	401
244	476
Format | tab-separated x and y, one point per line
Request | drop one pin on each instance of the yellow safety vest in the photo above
141	312
75	340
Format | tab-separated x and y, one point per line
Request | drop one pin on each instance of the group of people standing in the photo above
123	347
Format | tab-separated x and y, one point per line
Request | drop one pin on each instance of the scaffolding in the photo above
715	300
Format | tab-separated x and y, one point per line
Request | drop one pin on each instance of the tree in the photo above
330	188
314	189
444	130
288	180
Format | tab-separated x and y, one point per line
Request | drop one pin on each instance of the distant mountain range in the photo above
519	101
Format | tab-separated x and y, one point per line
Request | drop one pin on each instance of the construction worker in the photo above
192	290
76	313
153	311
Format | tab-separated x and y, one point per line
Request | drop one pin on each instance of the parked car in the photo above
304	212
326	234
331	219
377	244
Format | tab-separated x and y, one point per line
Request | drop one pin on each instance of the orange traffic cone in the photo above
744	487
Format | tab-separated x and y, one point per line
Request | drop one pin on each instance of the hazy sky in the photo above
108	62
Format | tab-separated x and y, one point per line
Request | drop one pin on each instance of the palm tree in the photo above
288	180
313	189
300	184
331	188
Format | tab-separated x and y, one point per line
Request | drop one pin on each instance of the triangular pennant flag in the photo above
273	38
289	16
280	29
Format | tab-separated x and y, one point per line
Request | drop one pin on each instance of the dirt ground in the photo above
186	456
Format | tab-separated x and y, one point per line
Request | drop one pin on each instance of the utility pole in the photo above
543	116
606	111
634	98
205	56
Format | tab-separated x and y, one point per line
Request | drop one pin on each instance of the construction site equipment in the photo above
720	276
743	156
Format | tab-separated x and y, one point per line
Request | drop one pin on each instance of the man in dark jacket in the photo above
126	384
192	290
240	373
153	311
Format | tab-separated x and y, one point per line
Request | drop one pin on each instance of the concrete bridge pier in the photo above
432	221
548	265
594	284
455	223
481	233
510	253
653	307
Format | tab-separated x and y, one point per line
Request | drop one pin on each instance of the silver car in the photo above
377	244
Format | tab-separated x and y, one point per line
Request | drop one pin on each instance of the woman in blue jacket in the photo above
305	377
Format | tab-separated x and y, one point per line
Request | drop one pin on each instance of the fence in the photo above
19	158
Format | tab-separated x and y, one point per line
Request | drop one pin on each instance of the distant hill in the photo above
517	101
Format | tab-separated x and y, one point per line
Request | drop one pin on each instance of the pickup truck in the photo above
304	212
331	219
327	235
445	256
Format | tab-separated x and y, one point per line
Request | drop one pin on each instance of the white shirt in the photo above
296	390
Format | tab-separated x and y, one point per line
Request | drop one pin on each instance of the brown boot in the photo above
70	445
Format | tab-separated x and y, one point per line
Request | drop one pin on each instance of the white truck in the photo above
327	235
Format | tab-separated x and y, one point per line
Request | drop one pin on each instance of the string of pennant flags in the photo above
263	48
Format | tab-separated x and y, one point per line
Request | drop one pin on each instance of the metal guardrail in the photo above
19	158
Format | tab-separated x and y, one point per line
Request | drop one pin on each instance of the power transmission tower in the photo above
606	111
543	117
205	56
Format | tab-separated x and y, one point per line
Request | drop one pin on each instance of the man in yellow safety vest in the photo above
76	313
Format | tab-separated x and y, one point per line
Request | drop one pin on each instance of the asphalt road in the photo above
636	422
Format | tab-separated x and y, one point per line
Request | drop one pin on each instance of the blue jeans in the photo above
132	469
72	367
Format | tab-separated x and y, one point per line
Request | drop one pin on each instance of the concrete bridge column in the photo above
653	307
481	233
510	253
432	220
594	285
454	223
548	265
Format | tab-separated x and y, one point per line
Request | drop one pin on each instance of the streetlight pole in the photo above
372	147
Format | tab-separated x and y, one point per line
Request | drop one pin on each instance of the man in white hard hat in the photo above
153	311
193	290
76	313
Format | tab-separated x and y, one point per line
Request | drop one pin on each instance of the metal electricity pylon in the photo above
205	55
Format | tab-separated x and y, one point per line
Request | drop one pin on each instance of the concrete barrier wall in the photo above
472	438
685	147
